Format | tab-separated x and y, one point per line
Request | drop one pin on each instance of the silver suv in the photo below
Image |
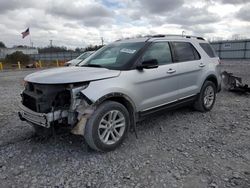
105	95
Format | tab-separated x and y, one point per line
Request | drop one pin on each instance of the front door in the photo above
157	86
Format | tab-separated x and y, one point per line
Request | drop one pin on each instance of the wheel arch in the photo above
122	99
213	79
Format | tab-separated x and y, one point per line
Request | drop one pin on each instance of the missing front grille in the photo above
31	87
29	102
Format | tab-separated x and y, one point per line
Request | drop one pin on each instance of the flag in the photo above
26	32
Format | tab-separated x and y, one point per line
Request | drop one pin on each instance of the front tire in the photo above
206	99
107	127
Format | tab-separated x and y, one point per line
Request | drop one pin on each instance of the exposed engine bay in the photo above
44	98
52	104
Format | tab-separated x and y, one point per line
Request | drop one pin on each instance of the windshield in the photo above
113	56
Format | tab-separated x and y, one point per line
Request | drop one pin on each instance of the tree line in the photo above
23	58
54	49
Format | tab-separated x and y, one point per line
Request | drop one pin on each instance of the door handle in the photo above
170	71
202	65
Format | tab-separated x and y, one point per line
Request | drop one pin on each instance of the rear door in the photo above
190	68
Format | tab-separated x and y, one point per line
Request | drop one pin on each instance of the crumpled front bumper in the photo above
42	119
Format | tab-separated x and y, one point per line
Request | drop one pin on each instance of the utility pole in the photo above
51	49
51	43
102	40
183	32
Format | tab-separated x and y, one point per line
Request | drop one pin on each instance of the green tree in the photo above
54	49
17	56
77	49
2	45
93	48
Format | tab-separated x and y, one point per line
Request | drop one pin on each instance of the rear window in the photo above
208	49
184	51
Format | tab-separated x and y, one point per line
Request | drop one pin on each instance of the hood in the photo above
65	75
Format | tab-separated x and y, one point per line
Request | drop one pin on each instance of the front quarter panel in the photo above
97	89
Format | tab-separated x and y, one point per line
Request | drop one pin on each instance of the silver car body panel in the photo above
146	88
64	75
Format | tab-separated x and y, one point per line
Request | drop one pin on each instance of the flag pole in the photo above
31	45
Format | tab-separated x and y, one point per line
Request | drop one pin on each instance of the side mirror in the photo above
149	64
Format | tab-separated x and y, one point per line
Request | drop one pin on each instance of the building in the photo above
232	49
7	51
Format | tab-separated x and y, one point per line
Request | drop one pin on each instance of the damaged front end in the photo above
56	104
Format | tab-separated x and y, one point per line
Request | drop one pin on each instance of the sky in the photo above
79	23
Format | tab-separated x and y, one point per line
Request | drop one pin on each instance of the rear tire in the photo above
107	127
206	99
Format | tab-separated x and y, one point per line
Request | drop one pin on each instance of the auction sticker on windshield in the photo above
129	51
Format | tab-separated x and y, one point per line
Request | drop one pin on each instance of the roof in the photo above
142	39
160	36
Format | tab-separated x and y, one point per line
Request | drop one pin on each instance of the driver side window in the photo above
159	51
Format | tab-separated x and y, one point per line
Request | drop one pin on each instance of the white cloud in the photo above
82	22
244	13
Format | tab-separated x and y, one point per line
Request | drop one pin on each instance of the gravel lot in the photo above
182	148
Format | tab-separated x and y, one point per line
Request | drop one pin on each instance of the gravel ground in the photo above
182	148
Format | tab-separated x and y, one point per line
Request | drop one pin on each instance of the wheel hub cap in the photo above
209	95
111	127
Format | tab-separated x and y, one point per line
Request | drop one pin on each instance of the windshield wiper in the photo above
91	65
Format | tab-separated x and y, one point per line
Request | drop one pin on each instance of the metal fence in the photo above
61	56
232	49
7	51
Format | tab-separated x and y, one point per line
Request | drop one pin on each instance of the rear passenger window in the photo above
159	51
208	49
184	51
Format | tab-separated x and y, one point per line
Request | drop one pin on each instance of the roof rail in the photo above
168	35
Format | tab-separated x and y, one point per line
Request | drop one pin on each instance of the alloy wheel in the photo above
209	96
111	127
